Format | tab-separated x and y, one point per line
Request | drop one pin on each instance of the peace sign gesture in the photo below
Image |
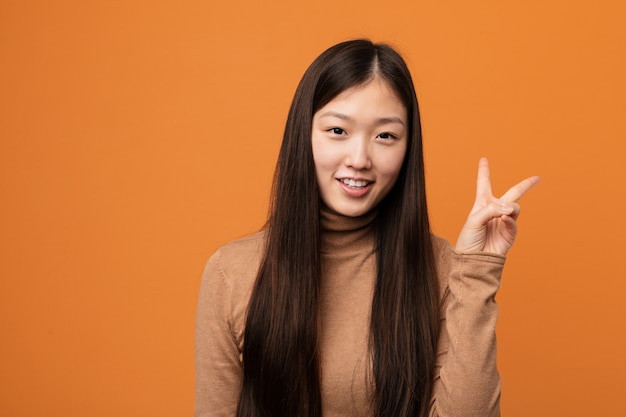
491	225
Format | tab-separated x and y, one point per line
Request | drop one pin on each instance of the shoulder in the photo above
441	247
237	262
442	250
229	278
240	256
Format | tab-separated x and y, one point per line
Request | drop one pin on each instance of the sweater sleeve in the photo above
467	383
218	368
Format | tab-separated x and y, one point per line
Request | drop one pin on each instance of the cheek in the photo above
324	158
391	164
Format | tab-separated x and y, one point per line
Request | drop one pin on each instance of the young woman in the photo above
345	304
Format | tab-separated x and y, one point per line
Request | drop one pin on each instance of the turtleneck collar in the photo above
346	234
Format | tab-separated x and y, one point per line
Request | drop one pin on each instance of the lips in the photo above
354	188
356	184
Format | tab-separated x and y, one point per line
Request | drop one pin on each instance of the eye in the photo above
387	136
337	130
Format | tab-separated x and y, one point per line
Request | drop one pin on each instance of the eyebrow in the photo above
380	121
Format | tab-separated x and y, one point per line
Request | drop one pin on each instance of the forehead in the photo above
374	98
376	84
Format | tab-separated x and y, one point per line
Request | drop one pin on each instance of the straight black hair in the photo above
280	352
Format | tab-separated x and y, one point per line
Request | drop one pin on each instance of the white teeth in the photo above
354	183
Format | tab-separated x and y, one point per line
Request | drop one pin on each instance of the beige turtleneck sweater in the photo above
467	381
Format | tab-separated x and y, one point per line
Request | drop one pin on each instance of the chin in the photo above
352	211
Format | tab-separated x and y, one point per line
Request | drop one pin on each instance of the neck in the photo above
346	234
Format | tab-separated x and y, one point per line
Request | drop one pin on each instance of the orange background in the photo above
136	137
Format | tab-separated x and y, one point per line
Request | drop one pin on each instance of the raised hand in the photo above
491	225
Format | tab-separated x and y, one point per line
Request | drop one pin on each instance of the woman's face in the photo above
359	140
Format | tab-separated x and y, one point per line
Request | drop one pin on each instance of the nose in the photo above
358	157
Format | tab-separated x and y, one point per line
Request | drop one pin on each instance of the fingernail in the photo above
506	209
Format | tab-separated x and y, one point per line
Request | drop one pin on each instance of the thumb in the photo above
493	210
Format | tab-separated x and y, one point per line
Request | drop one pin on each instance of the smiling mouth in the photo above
356	184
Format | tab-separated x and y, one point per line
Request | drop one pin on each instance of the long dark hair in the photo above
280	351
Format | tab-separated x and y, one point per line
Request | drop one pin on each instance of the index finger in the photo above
483	180
518	190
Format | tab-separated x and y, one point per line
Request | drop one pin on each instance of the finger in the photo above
510	226
492	211
511	209
517	191
483	180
